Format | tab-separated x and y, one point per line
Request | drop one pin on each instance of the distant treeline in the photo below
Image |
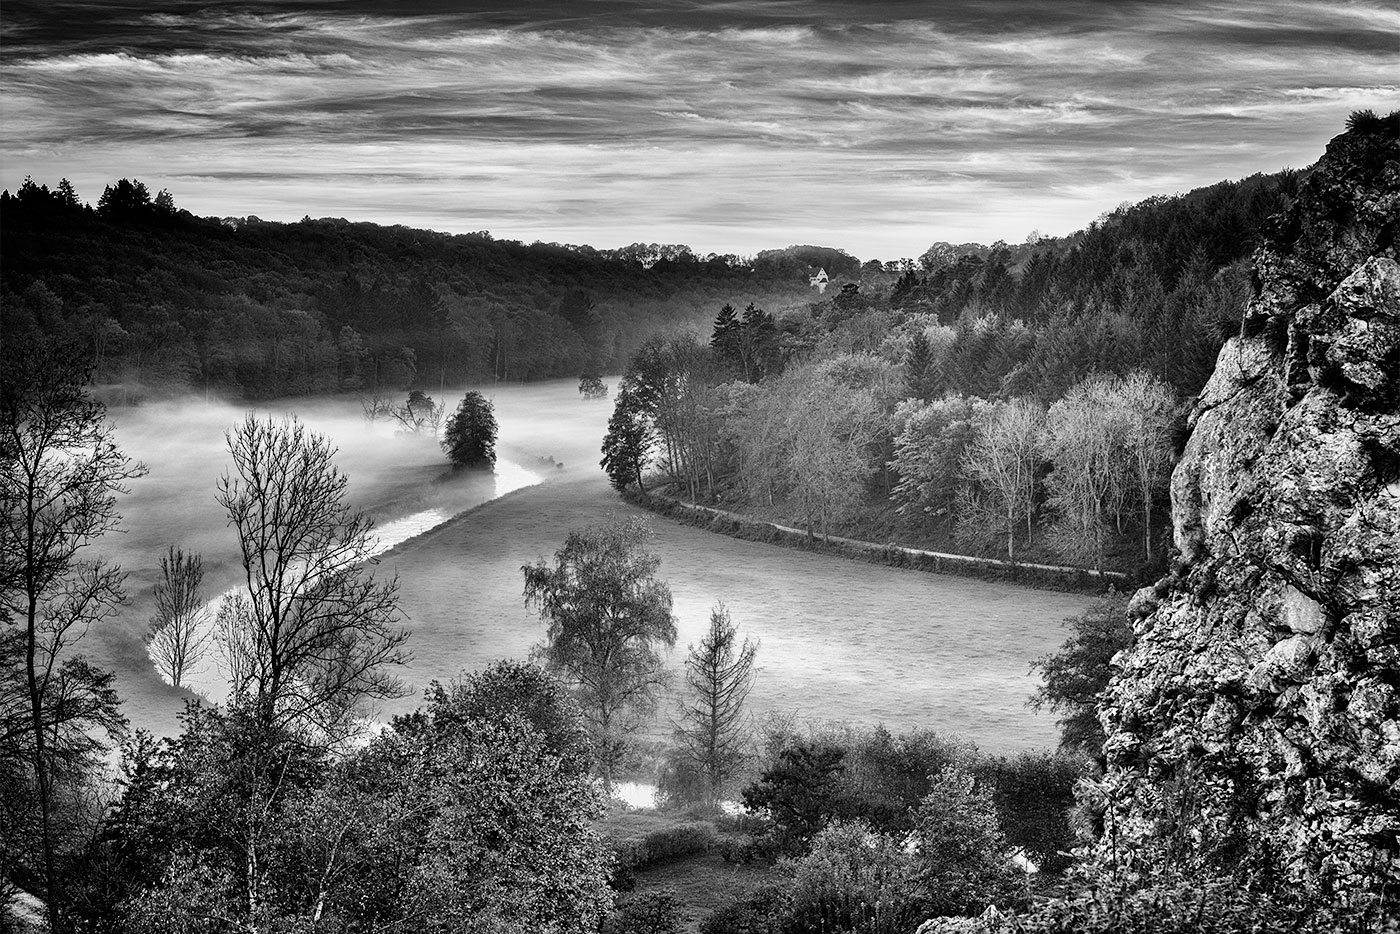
166	300
1020	399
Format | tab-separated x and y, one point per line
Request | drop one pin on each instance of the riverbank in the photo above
1047	576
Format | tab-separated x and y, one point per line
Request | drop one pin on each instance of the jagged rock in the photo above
1252	729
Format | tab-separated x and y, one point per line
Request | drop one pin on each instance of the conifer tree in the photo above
719	673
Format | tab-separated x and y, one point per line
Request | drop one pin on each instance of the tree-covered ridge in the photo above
165	299
1018	399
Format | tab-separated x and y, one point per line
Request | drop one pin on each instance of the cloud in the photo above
875	126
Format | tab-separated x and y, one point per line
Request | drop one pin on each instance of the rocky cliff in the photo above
1254	729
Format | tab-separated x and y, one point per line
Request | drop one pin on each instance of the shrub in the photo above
655	912
667	846
963	863
762	911
854	879
1195	906
1034	793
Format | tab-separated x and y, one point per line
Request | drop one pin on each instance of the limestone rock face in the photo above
1253	727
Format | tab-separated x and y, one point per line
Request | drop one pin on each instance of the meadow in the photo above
840	639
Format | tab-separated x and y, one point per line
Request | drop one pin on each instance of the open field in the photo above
840	639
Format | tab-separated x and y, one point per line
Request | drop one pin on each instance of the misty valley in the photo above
372	579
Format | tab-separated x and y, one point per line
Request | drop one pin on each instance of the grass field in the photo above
840	639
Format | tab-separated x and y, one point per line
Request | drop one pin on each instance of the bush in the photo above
1034	793
1195	906
655	912
667	846
854	879
963	863
762	911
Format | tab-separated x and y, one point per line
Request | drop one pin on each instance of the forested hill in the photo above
169	301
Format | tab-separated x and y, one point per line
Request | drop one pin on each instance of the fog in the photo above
402	481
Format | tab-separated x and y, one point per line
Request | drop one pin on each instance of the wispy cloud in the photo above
731	126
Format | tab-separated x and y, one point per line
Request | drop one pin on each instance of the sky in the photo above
730	125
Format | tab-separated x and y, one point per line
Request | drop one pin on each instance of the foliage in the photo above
1034	795
591	386
667	845
853	880
654	912
178	636
608	619
469	440
629	442
962	861
719	674
321	632
60	475
418	414
1171	904
168	302
1002	464
762	911
1075	677
800	793
445	822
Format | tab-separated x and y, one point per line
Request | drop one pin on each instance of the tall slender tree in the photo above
719	673
61	472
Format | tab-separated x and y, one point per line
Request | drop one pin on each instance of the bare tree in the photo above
1082	442
418	414
1002	462
179	629
234	636
60	474
375	406
1149	407
719	674
324	632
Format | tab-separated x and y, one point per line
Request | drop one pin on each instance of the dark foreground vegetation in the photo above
484	811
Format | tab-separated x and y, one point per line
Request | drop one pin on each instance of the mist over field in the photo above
402	481
840	640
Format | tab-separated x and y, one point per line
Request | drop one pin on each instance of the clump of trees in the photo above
469	440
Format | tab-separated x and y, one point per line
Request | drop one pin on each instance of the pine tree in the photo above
719	674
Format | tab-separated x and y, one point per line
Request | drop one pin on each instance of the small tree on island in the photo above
591	386
608	620
470	437
719	674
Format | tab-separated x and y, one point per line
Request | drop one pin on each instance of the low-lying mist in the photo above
401	480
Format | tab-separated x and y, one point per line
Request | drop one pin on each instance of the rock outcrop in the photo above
1254	728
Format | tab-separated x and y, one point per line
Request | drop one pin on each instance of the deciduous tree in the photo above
324	633
470	437
179	631
609	621
60	474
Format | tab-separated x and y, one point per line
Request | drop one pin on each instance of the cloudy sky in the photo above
730	125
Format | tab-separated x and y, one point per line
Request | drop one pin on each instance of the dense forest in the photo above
1021	400
168	302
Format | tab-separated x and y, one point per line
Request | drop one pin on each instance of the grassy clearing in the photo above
701	882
